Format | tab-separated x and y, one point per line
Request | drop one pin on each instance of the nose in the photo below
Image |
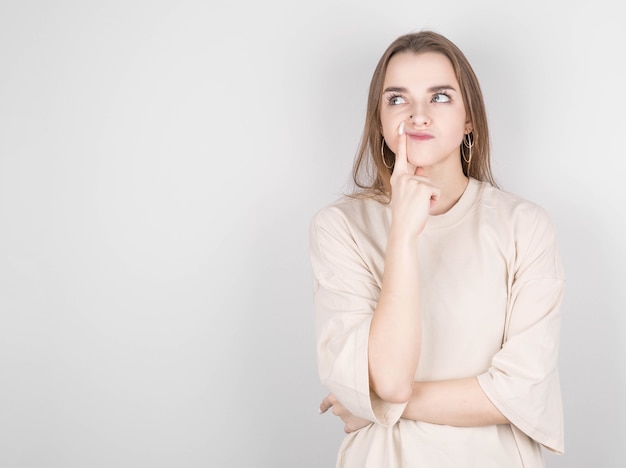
419	116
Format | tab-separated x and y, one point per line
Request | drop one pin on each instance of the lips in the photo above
419	136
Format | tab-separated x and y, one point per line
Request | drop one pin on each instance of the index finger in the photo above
401	164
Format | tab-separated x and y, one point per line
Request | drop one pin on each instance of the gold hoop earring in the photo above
382	153
468	143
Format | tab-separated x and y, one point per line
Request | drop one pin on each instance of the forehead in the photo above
420	70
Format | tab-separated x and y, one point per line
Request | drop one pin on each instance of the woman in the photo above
437	294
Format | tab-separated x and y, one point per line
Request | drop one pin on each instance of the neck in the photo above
452	189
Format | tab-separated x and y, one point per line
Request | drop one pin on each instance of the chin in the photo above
420	162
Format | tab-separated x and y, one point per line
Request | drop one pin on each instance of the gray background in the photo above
159	165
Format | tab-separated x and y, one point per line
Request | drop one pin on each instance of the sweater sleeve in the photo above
345	296
523	381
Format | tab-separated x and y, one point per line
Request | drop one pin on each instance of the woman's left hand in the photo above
351	422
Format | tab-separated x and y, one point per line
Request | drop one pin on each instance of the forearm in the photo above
395	331
459	402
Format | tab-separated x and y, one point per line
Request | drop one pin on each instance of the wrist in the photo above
402	236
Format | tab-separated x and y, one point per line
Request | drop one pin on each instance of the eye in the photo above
396	99
440	97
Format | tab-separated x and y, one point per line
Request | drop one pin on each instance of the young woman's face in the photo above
422	90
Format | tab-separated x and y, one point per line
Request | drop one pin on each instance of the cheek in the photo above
391	137
390	130
455	130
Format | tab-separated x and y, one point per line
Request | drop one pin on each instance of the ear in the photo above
468	127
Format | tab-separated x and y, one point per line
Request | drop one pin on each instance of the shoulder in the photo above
347	213
339	232
526	225
521	212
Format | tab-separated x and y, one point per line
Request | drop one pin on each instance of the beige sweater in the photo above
491	289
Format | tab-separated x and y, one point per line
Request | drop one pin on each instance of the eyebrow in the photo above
432	89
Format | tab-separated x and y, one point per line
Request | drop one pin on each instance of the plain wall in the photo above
159	165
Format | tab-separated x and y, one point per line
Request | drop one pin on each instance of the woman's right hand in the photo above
412	194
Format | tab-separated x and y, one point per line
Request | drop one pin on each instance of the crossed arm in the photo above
459	402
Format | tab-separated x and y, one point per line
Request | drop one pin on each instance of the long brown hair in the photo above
369	173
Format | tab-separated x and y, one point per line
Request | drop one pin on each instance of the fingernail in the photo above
401	129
